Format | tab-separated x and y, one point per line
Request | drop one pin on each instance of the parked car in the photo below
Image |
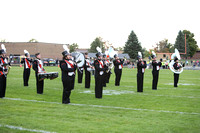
49	62
52	62
45	62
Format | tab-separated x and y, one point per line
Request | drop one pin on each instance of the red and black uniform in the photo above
118	71
87	73
68	68
176	76
105	73
108	73
140	75
99	71
3	77
27	65
38	67
155	72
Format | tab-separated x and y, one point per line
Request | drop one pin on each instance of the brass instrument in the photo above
175	55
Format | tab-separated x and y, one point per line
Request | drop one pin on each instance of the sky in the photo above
81	21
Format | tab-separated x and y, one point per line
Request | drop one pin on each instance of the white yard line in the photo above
110	107
115	92
25	129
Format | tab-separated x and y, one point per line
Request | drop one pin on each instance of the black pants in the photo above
118	74
98	86
80	75
176	78
68	85
155	79
39	84
87	79
108	77
26	76
2	86
140	77
104	79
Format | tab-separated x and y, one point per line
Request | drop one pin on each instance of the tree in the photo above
180	44
33	40
97	43
73	47
3	40
146	52
132	46
119	48
191	42
164	47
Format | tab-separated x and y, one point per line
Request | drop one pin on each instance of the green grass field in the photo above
121	109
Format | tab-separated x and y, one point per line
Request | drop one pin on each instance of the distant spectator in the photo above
186	62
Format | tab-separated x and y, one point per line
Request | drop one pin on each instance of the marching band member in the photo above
176	75
141	65
155	71
106	68
3	72
99	71
87	73
38	68
68	68
27	65
118	69
108	73
80	74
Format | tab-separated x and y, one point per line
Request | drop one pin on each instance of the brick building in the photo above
47	50
196	56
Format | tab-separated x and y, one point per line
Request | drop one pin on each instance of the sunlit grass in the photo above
56	117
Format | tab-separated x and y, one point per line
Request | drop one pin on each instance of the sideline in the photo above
25	129
110	107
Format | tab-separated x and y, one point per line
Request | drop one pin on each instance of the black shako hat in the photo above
65	53
2	51
153	56
115	56
176	59
26	54
98	54
37	54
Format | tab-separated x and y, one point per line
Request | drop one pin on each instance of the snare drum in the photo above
50	75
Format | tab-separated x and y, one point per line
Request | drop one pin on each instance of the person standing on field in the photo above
27	65
155	71
141	65
118	69
68	68
38	68
3	71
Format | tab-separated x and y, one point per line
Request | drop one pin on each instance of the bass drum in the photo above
78	58
172	68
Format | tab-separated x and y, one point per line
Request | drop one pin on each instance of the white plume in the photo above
25	51
99	49
66	48
140	54
3	47
153	53
177	54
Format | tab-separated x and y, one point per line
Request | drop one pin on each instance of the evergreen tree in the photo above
180	44
132	46
96	43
